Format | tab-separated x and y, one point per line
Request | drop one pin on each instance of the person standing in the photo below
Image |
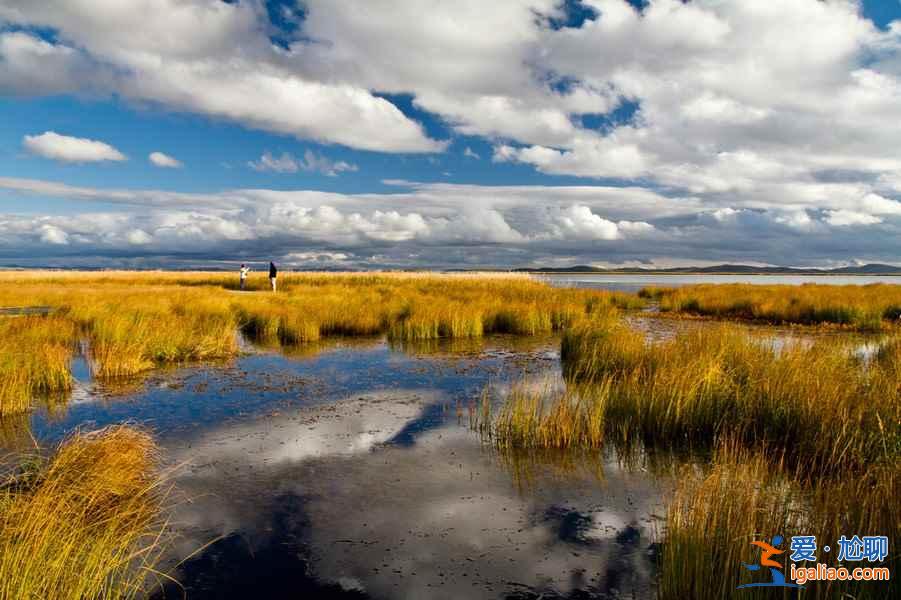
244	271
273	273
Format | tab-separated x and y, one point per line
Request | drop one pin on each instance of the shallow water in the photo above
351	470
634	282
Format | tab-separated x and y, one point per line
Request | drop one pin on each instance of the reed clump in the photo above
86	523
132	322
716	512
874	307
131	332
34	360
544	417
819	404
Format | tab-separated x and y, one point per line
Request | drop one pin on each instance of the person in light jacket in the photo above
244	271
273	273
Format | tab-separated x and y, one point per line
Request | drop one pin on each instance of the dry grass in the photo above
874	307
84	524
821	406
717	512
545	417
136	321
34	360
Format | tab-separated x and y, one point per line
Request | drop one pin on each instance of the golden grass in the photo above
819	404
135	321
544	418
716	513
873	307
34	360
84	524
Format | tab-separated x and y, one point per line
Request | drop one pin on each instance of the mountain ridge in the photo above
731	269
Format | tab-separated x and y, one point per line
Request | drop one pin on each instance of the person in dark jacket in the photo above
273	273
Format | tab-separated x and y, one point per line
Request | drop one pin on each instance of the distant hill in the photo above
869	269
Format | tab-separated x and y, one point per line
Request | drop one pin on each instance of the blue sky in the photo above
603	131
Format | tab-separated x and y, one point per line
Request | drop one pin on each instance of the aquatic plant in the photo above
544	416
873	307
819	404
34	360
85	523
716	512
133	322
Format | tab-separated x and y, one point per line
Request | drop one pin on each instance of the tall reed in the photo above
872	307
544	417
85	524
34	360
136	321
716	513
819	404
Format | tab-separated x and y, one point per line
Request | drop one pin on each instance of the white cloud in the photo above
164	160
311	162
64	148
138	237
444	225
761	130
470	153
578	222
212	58
51	234
846	218
798	219
32	66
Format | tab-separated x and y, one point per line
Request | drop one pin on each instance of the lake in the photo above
350	469
634	282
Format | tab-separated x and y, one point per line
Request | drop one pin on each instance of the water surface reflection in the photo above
350	507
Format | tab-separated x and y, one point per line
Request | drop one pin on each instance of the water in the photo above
351	470
634	282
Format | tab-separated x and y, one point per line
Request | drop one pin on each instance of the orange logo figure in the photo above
768	551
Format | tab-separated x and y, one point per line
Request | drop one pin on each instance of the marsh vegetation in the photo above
762	436
84	522
135	322
800	437
874	307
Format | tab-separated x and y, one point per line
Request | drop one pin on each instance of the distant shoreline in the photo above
742	273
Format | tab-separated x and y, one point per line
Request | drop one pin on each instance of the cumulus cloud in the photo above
311	162
440	225
845	218
64	148
164	160
578	222
211	58
753	131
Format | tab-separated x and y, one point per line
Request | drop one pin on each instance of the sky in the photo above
436	134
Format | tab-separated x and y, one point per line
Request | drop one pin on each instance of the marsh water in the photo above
350	469
632	282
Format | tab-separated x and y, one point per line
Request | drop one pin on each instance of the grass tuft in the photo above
874	307
84	524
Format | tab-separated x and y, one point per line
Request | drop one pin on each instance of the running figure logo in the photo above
767	551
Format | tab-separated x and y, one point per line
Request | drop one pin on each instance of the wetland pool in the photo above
351	470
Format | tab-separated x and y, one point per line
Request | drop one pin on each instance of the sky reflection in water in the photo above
351	471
